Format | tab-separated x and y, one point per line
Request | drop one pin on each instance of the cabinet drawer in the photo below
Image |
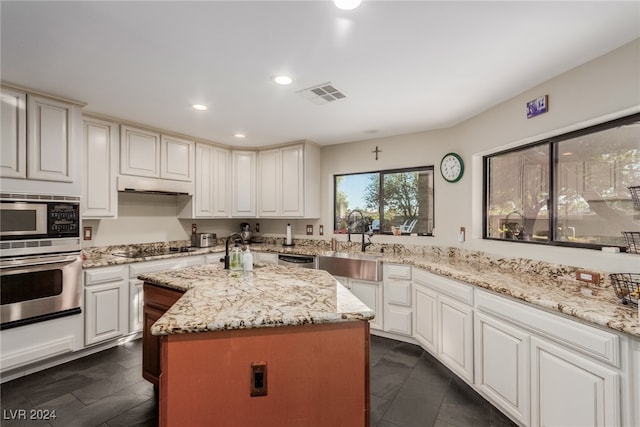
397	292
586	339
445	286
105	274
397	271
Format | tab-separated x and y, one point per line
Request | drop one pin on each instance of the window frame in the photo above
381	174
553	143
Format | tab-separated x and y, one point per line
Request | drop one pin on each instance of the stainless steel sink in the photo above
353	265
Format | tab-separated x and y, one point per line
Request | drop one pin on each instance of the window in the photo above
400	200
569	190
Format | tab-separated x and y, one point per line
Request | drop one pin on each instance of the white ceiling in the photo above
404	66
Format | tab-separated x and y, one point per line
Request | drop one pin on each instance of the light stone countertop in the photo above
269	296
549	286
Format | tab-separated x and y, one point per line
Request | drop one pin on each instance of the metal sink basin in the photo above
352	265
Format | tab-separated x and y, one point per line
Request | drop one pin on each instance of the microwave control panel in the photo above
63	219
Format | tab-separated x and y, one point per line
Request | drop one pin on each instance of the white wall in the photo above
594	92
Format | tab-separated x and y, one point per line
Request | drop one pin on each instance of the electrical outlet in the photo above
588	276
309	230
258	379
462	235
321	230
87	233
257	227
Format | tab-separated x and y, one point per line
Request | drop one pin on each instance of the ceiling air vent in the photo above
322	94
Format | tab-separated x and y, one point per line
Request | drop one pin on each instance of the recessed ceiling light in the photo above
199	107
282	80
239	135
347	4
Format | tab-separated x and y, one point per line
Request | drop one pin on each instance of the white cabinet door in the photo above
13	157
202	199
136	304
281	182
571	390
455	336
293	181
50	139
270	182
425	317
370	293
243	184
502	365
106	311
139	152
176	158
100	194
221	182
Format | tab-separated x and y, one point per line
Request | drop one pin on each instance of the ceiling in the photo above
403	66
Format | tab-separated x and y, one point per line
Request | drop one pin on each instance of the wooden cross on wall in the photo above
377	151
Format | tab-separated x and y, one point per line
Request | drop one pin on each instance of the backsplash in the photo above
313	247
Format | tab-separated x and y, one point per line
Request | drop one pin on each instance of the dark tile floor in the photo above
408	388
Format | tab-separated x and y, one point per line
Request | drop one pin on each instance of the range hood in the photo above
137	184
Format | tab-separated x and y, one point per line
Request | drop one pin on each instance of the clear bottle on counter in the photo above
247	260
236	258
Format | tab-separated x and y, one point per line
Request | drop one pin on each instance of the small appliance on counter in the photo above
245	232
203	240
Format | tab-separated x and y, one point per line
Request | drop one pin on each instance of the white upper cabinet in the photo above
243	183
270	182
13	159
41	143
49	140
100	166
139	152
176	158
150	154
288	180
211	193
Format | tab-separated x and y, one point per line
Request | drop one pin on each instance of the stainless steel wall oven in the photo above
40	258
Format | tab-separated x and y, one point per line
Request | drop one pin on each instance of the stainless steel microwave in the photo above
44	218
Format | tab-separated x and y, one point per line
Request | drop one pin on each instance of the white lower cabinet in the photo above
136	305
106	304
136	297
425	317
571	390
443	320
370	293
502	365
455	336
113	297
545	370
398	311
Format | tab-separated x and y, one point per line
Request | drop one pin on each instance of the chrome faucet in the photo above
362	223
236	237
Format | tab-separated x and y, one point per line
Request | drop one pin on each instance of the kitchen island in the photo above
275	346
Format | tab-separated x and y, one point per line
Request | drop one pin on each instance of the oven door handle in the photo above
29	263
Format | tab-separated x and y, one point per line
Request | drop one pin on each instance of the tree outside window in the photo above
400	199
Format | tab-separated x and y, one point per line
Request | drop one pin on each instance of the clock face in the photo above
452	167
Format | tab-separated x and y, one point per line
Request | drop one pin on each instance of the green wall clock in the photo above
452	167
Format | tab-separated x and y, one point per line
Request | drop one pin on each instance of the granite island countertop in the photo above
548	286
269	296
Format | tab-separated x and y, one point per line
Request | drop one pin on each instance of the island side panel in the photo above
317	375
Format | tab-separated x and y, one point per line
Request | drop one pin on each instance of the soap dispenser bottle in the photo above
236	258
247	260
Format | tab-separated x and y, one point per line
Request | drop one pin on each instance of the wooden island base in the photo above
317	375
